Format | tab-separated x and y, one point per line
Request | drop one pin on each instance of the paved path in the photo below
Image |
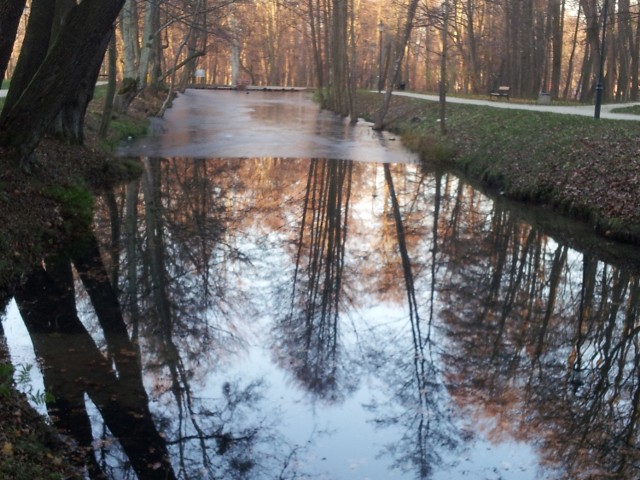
3	92
583	110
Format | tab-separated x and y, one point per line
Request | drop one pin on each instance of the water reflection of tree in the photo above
309	331
181	298
74	365
418	401
546	340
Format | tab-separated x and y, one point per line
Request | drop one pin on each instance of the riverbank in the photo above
36	211
581	167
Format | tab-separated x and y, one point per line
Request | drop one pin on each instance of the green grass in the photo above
76	205
121	128
634	110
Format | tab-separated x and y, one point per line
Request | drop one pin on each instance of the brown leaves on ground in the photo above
588	170
30	217
28	214
29	448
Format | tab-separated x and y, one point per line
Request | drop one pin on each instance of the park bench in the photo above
502	91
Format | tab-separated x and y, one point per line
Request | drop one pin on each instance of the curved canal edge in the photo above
581	167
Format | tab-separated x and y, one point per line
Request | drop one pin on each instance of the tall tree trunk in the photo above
130	43
61	74
472	45
624	47
111	88
316	43
196	47
34	49
557	23
339	84
574	44
353	67
10	13
382	112
635	64
150	34
235	51
442	91
69	123
592	54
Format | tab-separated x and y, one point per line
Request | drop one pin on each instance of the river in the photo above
282	295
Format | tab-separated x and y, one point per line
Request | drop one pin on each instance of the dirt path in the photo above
583	110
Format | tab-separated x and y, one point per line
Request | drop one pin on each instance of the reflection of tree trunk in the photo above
313	318
600	387
75	366
131	229
406	263
420	452
559	261
95	279
434	248
589	271
516	278
151	184
628	459
114	244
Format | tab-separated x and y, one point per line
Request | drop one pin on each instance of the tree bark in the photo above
69	123
339	84
34	48
130	45
382	113
149	40
635	64
316	46
10	13
61	74
111	88
557	40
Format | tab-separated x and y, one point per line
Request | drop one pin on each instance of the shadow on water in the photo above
290	318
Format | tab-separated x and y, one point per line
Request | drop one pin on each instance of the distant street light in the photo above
599	86
380	79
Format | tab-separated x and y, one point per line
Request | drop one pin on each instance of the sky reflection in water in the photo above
356	320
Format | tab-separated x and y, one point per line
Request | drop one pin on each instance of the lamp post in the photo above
380	79
599	86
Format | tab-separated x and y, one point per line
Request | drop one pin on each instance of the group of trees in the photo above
553	46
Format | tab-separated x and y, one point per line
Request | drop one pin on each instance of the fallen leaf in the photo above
7	449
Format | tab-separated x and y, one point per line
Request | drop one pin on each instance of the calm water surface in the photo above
284	296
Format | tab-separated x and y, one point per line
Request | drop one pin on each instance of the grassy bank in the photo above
37	211
582	167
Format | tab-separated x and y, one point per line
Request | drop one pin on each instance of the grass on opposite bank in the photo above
587	168
633	109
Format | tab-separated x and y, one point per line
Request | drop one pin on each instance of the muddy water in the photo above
282	295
